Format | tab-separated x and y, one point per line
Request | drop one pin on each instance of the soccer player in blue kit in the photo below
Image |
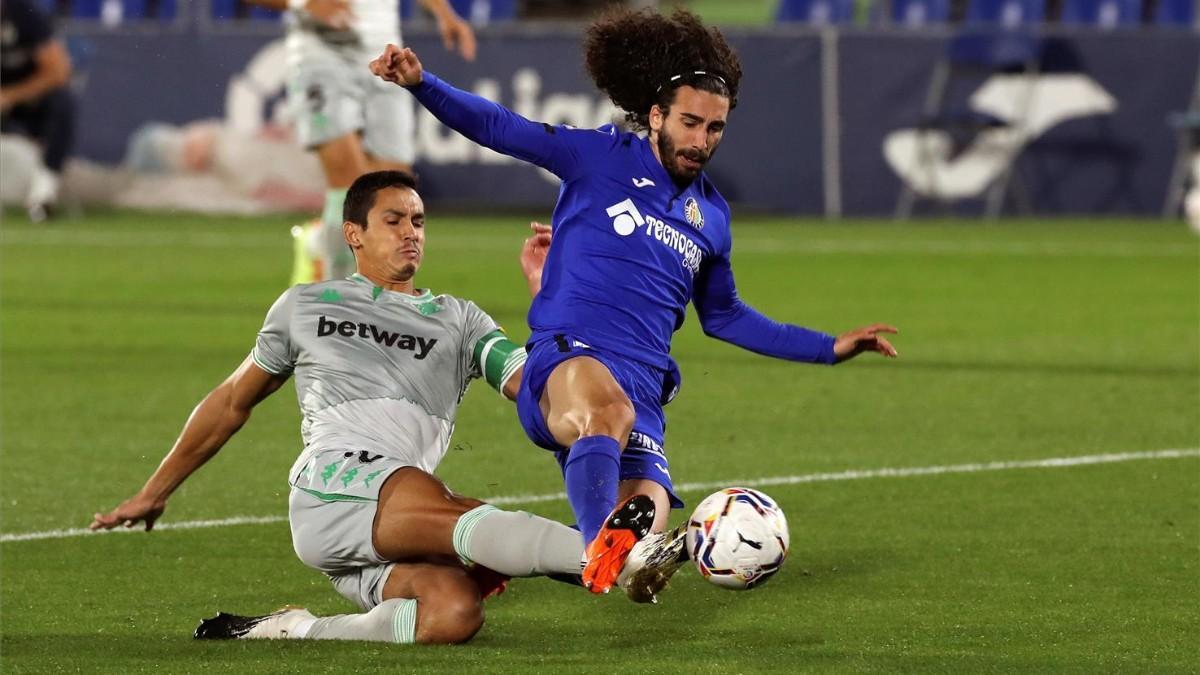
639	231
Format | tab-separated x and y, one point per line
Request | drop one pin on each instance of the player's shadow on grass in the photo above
1066	369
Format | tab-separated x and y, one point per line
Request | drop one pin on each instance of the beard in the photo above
681	175
406	271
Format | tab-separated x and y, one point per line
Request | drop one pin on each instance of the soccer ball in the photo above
737	538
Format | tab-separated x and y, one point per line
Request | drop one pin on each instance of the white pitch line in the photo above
182	525
856	474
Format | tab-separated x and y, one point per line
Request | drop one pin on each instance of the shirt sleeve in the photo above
488	353
477	325
558	149
274	351
724	316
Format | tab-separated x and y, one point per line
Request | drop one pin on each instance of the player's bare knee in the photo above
614	419
449	618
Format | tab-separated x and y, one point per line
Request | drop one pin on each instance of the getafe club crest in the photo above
691	212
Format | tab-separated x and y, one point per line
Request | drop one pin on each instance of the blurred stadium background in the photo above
850	107
1006	180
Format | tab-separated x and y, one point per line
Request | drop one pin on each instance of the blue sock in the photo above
592	472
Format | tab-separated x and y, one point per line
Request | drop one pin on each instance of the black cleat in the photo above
226	626
274	626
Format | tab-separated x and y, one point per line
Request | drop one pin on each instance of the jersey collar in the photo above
425	296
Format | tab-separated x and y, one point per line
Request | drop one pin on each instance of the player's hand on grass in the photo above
457	33
333	13
398	66
533	255
132	511
851	344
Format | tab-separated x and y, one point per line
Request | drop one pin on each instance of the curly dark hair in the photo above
640	58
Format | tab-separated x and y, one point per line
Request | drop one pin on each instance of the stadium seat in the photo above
240	9
1106	14
1006	13
815	12
911	13
263	14
159	10
223	9
973	55
1177	13
478	12
482	12
86	9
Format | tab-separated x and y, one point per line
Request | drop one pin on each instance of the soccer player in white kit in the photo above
354	122
380	367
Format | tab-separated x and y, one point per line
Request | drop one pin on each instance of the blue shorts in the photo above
648	388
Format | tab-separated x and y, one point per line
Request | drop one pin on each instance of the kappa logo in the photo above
692	213
643	182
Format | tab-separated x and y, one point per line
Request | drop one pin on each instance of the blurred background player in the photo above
380	367
35	70
639	231
354	124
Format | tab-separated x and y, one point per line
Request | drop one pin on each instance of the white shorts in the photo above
331	509
331	98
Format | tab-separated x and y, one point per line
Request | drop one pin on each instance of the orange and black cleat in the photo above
606	555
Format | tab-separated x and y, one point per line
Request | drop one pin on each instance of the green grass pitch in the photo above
1020	341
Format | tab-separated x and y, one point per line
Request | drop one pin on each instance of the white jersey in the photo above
375	370
376	23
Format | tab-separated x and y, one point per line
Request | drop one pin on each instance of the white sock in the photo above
391	621
43	187
516	543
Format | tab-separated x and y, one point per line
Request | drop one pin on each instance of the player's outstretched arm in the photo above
556	149
724	316
210	426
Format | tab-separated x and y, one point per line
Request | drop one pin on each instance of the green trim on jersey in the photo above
260	364
425	296
334	497
498	358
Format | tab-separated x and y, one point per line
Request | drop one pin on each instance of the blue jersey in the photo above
631	249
